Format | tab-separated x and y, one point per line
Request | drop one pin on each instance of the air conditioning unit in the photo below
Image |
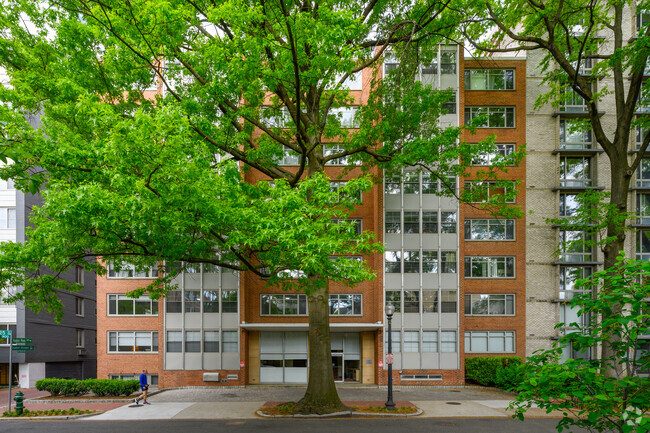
81	352
210	377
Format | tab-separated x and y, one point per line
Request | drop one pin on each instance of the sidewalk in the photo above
243	403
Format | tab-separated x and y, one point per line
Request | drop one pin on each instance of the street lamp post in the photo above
390	405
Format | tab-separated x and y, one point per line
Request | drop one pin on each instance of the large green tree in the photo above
130	176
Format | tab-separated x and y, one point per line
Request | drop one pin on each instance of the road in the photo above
356	425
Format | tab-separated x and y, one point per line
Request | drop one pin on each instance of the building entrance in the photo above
346	356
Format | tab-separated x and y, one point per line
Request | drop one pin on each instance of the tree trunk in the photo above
620	186
321	395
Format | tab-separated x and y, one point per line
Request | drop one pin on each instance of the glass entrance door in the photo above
337	366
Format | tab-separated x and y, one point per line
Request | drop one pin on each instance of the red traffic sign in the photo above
389	358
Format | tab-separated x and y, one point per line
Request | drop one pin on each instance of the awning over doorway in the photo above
335	327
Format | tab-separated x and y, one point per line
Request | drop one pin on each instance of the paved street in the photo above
356	425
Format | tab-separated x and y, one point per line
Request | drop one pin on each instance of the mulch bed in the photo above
402	407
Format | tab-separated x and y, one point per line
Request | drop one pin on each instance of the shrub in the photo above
100	387
484	370
113	387
509	377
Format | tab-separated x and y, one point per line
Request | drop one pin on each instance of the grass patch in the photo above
52	412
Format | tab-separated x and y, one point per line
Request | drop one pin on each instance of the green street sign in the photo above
21	351
5	333
22	340
30	347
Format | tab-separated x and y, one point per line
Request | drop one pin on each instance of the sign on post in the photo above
22	347
389	358
5	333
22	340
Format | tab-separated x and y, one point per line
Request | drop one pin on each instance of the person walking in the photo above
144	387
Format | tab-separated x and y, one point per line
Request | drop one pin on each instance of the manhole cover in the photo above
455	403
454	390
447	424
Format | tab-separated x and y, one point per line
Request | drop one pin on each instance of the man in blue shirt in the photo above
144	387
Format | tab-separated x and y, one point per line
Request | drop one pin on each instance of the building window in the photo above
210	301
7	217
336	186
174	301
641	134
568	204
395	341
192	300
289	157
575	246
411	262
574	135
429	222
345	305
211	341
7	185
429	301
489	79
174	341
643	208
489	305
393	222
489	267
489	342
356	224
132	341
7	327
643	173
411	341
394	297
152	379
572	102
447	62
489	229
283	304
448	262
429	341
501	152
122	305
493	117
448	341
448	222
192	341
448	301
643	245
230	342
411	222
79	306
569	275
347	117
80	338
393	262
482	191
411	301
642	19
79	275
430	262
229	303
575	171
414	183
127	270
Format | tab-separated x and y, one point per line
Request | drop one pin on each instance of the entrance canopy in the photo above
336	327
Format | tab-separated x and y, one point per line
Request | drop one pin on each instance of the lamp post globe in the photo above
390	405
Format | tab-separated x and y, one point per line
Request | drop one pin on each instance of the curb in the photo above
345	413
28	418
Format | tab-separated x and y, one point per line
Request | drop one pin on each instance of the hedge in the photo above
488	371
99	387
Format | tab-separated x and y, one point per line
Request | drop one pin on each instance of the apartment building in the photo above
454	274
64	350
564	161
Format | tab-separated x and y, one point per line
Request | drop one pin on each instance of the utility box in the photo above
211	377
